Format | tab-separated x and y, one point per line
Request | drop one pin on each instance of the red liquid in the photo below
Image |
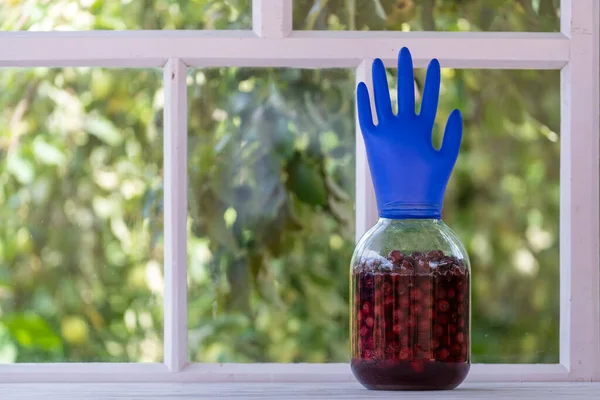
410	327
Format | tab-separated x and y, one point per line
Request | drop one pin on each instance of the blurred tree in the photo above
271	191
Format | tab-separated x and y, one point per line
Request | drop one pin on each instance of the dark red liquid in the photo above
410	323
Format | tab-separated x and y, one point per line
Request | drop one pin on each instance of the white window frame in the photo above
272	43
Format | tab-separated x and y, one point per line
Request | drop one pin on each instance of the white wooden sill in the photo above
313	391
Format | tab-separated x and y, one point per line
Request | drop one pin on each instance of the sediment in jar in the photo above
411	321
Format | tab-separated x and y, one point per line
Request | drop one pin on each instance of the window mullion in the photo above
175	214
579	181
272	18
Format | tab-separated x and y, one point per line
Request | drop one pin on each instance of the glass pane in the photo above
80	203
73	15
272	287
503	202
428	15
271	214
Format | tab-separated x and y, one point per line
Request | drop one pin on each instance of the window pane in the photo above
503	202
271	214
75	15
80	203
262	289
428	15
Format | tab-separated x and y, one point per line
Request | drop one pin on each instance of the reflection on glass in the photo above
271	209
70	15
80	204
428	15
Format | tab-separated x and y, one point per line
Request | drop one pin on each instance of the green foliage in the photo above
271	189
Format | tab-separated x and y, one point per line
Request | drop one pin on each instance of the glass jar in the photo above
410	306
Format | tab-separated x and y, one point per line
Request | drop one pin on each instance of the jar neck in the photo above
402	211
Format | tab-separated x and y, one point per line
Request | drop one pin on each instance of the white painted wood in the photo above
579	202
83	372
175	214
272	18
366	203
310	49
45	373
281	391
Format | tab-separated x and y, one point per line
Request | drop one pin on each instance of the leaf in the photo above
306	182
21	168
47	153
32	331
103	129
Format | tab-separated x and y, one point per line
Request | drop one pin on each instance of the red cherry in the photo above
417	365
411	322
435	344
438	330
443	305
429	313
364	331
397	328
388	301
442	354
460	297
387	288
405	354
461	322
451	293
398	315
368	354
460	337
451	329
404	302
366	307
455	349
416	309
369	322
391	350
426	286
424	326
416	295
395	256
440	293
426	301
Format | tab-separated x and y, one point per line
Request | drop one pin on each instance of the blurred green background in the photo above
271	191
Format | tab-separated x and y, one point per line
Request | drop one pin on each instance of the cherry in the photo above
364	331
366	307
452	329
451	293
397	328
369	322
442	354
395	256
455	349
411	322
406	353
460	337
442	319
443	305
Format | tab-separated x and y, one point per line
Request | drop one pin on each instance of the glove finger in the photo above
363	104
406	83
383	104
431	93
452	136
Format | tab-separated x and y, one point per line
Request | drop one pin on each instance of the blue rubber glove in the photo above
409	175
